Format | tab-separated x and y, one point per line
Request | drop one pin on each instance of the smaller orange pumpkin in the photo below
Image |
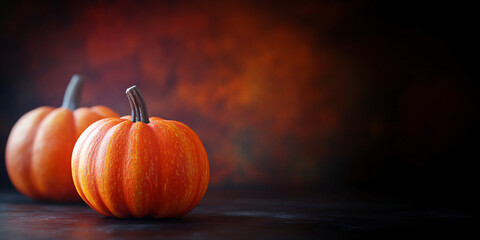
39	147
140	166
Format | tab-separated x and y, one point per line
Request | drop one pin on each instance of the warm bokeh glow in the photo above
305	93
250	82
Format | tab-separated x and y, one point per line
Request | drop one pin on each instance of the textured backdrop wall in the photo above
302	93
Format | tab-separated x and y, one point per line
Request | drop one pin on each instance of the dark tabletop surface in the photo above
226	214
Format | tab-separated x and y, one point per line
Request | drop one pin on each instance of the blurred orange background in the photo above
315	94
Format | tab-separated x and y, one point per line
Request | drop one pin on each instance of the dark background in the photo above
350	96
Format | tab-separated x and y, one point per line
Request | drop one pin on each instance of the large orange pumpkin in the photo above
39	148
140	166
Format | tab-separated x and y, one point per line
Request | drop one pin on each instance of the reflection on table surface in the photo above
235	215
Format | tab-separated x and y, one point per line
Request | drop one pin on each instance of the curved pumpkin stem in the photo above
71	98
137	104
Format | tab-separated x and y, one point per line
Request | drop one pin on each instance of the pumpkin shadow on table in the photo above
196	225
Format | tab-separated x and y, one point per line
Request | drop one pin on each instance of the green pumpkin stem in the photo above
137	104
71	98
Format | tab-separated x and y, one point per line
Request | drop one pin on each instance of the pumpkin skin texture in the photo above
39	148
128	169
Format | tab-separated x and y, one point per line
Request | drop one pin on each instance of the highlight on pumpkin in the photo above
147	167
71	99
137	105
40	144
